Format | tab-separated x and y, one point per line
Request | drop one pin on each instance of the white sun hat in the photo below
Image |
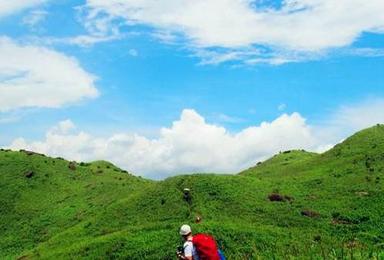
185	230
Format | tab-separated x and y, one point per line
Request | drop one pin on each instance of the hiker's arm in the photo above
188	251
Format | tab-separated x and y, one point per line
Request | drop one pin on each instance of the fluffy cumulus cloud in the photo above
8	7
291	31
32	76
189	145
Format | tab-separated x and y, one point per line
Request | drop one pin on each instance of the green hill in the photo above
296	204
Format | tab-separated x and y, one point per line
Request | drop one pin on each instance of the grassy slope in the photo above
98	211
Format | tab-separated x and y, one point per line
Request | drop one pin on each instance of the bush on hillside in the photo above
310	213
29	174
72	166
276	197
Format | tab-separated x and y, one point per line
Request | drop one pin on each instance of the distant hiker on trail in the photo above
198	247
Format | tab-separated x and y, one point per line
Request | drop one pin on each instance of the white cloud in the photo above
347	120
193	145
299	28
98	30
366	52
63	127
189	145
8	7
6	119
133	52
224	118
34	17
88	40
351	118
32	76
282	107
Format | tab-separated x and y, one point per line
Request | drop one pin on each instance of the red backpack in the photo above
206	247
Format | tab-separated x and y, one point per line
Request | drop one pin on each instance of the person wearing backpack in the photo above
198	247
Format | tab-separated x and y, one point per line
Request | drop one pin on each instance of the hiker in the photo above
187	195
198	247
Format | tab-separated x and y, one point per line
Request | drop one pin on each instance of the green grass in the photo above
99	211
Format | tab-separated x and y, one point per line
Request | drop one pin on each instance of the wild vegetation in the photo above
295	205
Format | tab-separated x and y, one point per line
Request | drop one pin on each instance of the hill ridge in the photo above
311	205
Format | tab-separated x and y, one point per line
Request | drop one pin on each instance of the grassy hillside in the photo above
296	204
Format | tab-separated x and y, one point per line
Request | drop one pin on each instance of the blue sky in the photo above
139	73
